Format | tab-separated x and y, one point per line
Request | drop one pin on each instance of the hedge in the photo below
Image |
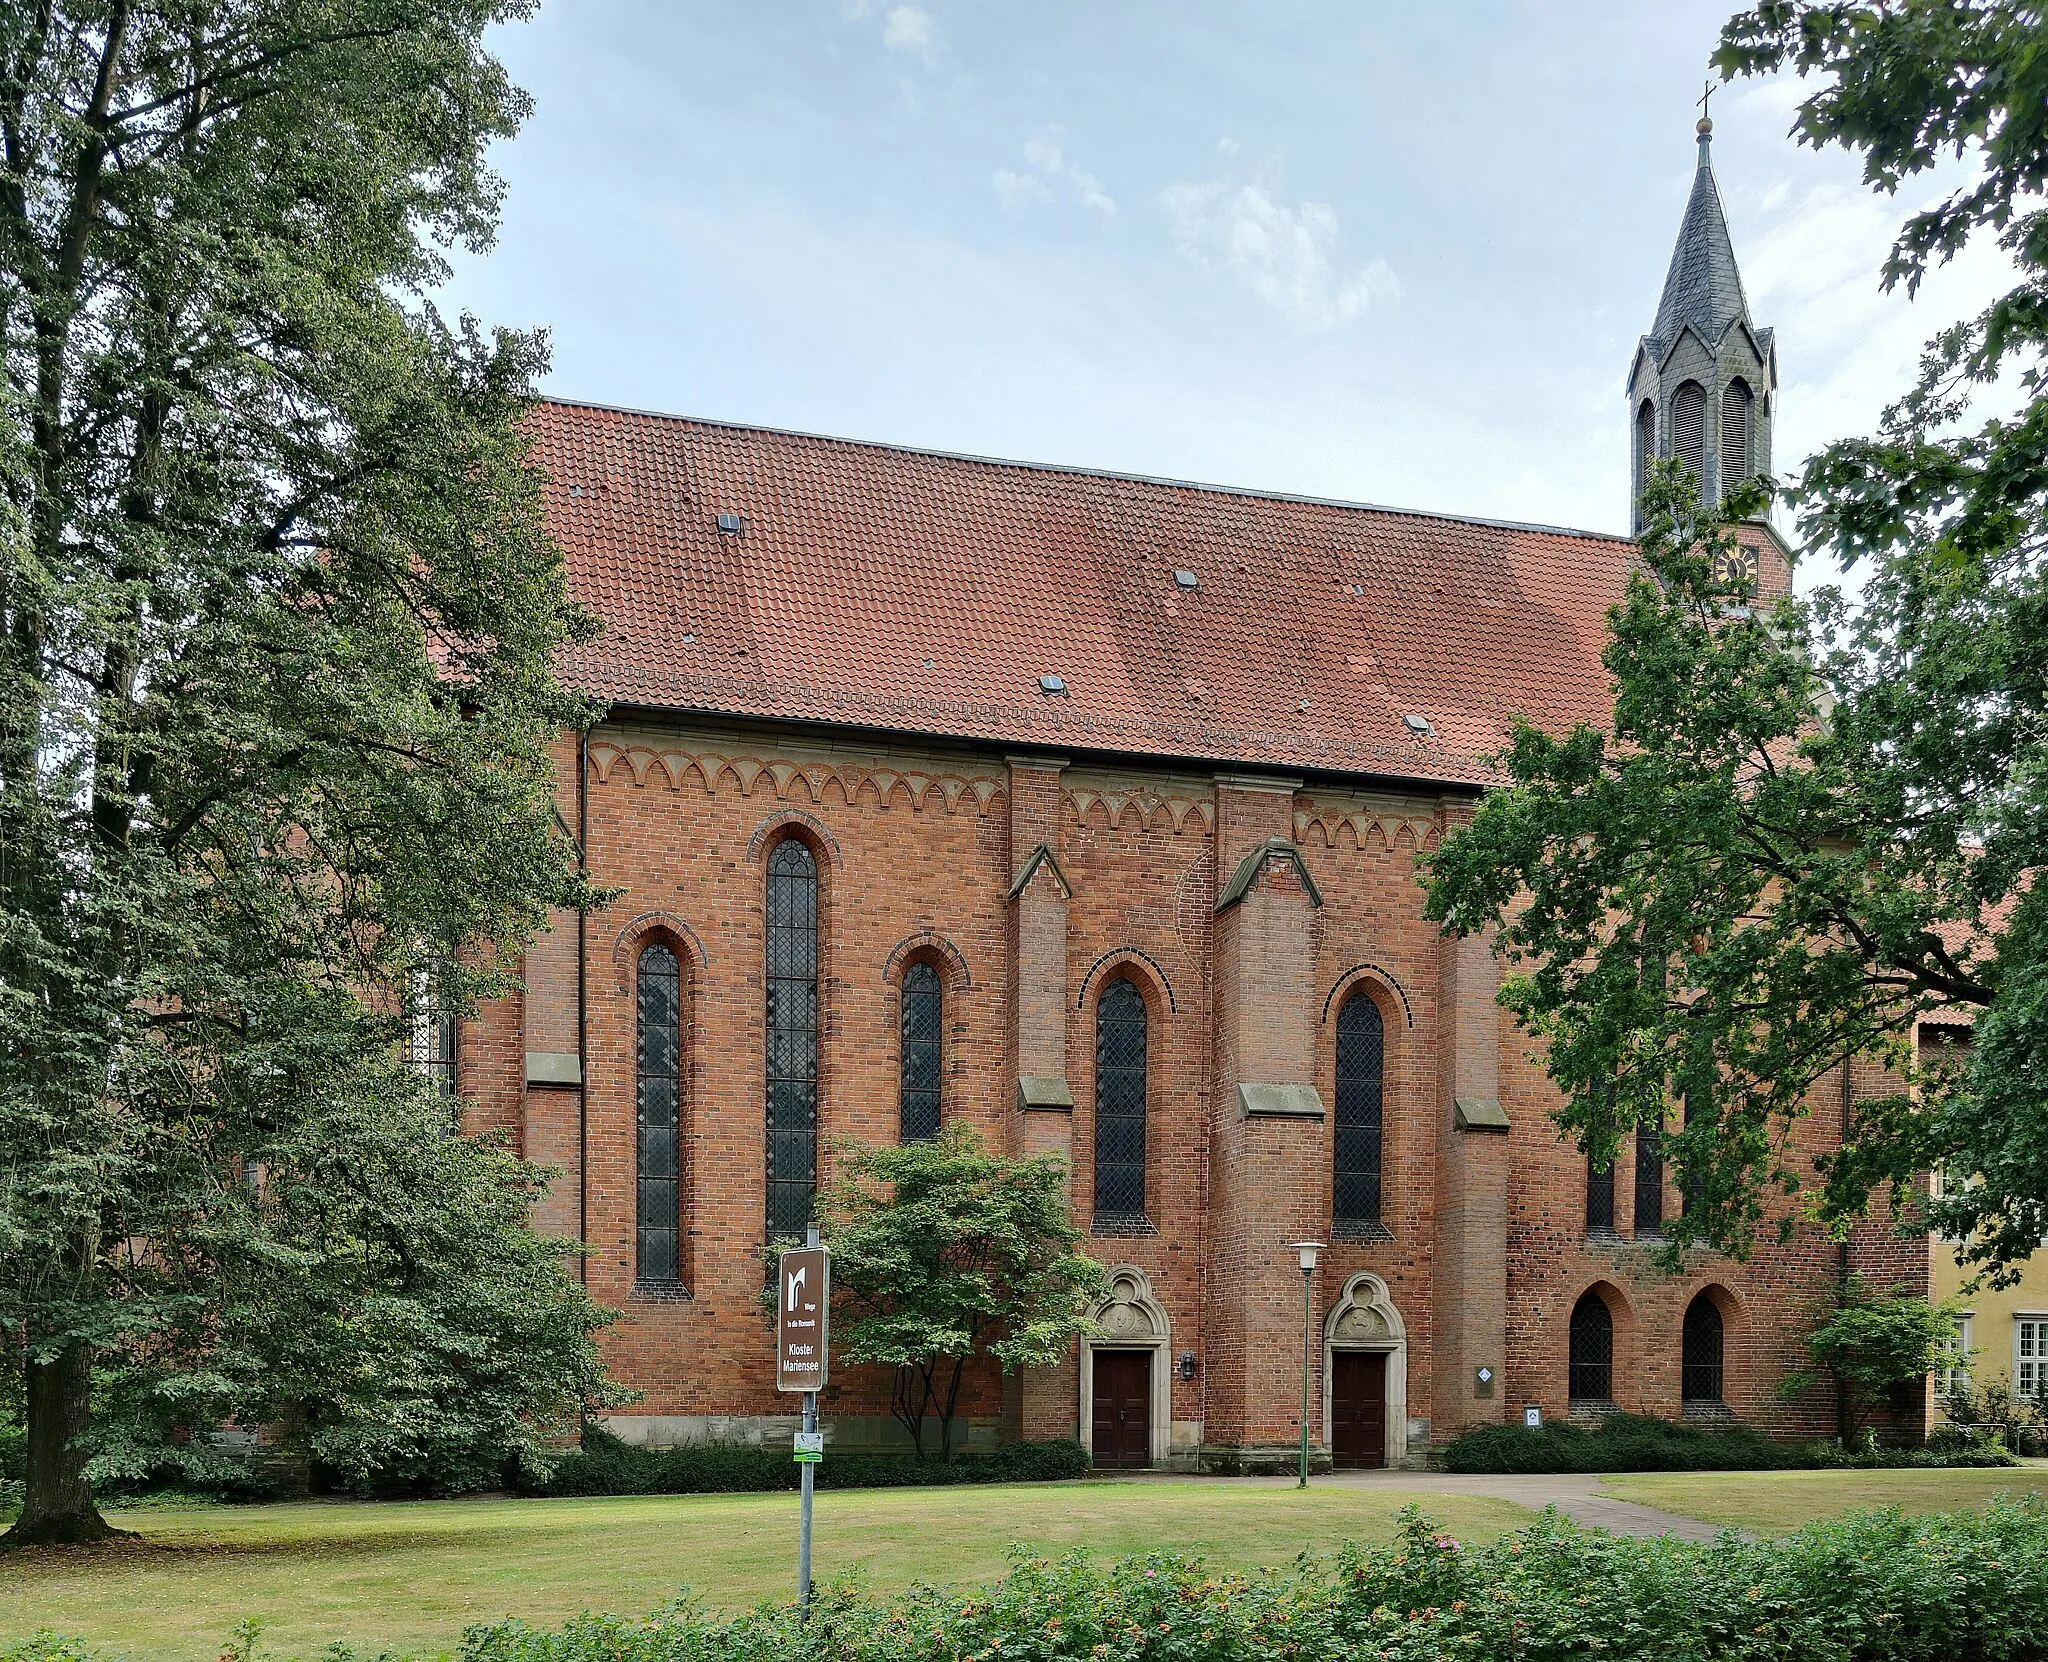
1878	1587
607	1466
1638	1443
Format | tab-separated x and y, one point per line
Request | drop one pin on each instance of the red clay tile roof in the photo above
925	593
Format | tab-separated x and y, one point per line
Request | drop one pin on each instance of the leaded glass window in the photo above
924	1015
1599	1197
657	1117
1361	1068
1592	1350
431	1043
1650	1177
1700	1352
1120	1069
792	1037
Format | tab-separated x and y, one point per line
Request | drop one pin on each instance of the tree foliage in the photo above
1811	825
277	623
943	1251
1871	1344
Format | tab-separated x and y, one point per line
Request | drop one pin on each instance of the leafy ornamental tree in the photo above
1811	824
278	616
942	1252
1871	1345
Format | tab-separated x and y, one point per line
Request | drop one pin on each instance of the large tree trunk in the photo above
58	1509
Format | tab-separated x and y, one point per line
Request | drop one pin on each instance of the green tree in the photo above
1810	824
943	1251
278	619
1871	1345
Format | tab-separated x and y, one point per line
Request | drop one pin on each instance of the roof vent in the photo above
689	640
575	490
1052	686
1187	580
1419	726
730	522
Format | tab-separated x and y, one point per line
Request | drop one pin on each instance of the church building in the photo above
1086	807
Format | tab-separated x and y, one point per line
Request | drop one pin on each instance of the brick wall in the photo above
1483	1247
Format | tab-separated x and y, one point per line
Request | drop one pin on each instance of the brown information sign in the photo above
802	1303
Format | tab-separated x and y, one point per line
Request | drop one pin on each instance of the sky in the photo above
1364	249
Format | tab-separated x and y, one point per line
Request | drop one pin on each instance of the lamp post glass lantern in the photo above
1307	1251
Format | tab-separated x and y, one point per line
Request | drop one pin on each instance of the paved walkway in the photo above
1579	1498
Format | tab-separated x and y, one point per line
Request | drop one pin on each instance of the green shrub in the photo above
1638	1443
607	1466
1875	1588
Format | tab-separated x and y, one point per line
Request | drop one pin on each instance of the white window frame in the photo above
2029	1352
1954	1370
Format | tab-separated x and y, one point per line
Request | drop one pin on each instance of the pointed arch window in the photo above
792	1037
1122	1042
1357	1144
1700	1352
658	1061
1646	443
924	1023
1689	428
1592	1350
1737	407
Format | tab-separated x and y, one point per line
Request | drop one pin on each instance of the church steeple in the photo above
1704	381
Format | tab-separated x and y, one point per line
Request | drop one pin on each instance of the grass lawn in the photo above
1775	1501
412	1576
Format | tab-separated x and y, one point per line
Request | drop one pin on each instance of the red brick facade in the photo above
1484	1247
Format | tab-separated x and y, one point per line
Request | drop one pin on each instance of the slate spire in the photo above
1702	388
1702	286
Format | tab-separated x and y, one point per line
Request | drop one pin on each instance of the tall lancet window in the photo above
1736	408
1689	428
792	1037
1361	1066
924	1022
658	1162
1121	1066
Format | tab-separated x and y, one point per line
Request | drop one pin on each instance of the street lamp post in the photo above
1308	1251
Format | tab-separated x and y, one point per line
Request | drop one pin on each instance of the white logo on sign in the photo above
796	1283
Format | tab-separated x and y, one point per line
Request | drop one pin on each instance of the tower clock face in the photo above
1735	567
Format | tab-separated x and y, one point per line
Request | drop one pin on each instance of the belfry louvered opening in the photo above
1122	1043
1737	406
1646	442
1689	427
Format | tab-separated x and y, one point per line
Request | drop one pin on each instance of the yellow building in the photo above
2004	1337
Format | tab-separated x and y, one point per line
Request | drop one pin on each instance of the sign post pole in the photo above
803	1303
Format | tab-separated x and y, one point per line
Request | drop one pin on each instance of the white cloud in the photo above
910	30
1286	256
1051	166
1017	190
